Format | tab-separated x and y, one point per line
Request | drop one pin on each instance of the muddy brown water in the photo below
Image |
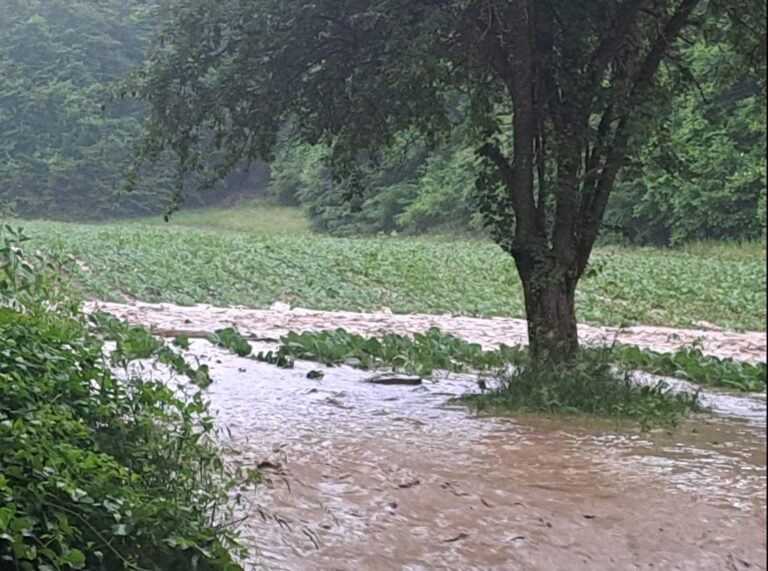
489	332
390	477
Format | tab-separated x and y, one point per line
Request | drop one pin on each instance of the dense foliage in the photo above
701	177
64	145
724	286
411	190
96	471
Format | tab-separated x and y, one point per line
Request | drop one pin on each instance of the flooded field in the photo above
261	323
392	477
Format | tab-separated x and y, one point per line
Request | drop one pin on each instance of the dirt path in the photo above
750	346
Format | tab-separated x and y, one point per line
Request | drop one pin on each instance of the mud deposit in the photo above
374	477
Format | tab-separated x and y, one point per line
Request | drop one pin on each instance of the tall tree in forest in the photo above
559	95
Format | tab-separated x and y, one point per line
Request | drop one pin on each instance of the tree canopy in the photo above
62	144
557	98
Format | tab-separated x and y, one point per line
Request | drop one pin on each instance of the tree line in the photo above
700	177
67	144
66	137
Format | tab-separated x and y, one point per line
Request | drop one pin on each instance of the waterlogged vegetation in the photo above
599	382
690	364
428	275
424	353
98	472
592	385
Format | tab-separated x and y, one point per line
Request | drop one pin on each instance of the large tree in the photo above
558	95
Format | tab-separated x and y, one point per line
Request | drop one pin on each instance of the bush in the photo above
97	472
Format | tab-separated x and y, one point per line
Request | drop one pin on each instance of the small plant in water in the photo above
591	384
230	339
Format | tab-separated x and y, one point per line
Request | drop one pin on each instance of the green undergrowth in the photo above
124	262
98	471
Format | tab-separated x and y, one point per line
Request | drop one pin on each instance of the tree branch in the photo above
613	160
493	154
628	16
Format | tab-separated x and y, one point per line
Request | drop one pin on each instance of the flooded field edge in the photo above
392	477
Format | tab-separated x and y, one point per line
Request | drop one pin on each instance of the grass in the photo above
427	275
593	386
726	250
253	216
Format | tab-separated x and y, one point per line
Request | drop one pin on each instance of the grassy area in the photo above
592	386
254	217
187	265
747	251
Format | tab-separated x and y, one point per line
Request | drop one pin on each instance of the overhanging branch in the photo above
493	154
612	160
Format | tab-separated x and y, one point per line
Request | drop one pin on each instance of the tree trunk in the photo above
551	312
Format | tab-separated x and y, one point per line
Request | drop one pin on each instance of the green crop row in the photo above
463	277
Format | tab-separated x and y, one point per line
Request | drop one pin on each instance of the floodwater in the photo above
489	332
372	477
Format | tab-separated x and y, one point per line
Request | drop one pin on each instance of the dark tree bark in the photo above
551	260
552	329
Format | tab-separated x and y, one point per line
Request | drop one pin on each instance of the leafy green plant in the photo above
424	353
97	472
421	354
689	363
462	277
134	342
230	339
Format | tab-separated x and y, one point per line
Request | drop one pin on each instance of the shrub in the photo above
98	472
